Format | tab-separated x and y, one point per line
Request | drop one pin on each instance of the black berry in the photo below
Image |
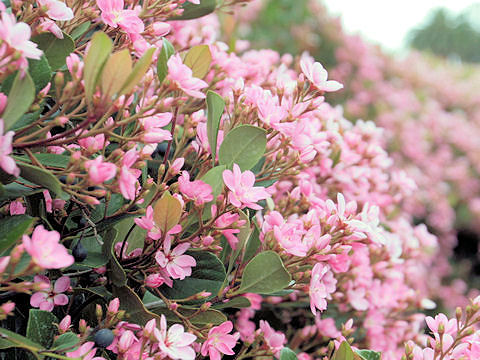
79	252
103	338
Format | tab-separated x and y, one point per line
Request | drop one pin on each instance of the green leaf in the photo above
369	354
198	58
117	274
207	275
131	303
117	69
20	98
252	245
40	71
214	178
167	212
65	341
238	302
40	326
162	68
11	339
210	316
138	71
244	146
13	227
344	352
264	274
95	256
192	11
46	159
287	354
56	50
80	30
215	107
100	47
43	178
14	190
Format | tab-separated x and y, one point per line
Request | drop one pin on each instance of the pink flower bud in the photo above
113	306
3	102
8	307
64	325
149	328
4	260
126	340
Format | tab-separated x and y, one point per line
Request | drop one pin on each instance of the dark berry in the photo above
63	179
103	338
79	252
83	222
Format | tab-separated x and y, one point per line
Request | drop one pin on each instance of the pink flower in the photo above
46	300
16	208
175	343
127	183
178	266
274	339
322	284
317	75
85	351
181	75
219	341
6	309
65	324
99	171
56	10
6	162
195	190
153	126
449	326
17	36
45	249
242	192
146	222
114	15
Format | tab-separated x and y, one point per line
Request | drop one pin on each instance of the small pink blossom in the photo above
322	284
274	339
182	76
56	10
6	162
100	171
45	249
175	342
219	341
195	190
317	75
17	36
242	192
177	265
114	14
127	183
46	300
153	126
16	208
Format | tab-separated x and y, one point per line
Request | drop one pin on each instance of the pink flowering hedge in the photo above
164	196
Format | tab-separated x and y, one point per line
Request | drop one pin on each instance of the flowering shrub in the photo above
165	197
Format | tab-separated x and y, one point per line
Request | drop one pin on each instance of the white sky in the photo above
387	21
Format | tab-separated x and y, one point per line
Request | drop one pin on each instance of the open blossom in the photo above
176	264
274	339
242	192
6	162
182	75
47	299
317	75
99	171
56	10
322	284
219	341
17	36
196	190
45	249
114	14
153	126
175	342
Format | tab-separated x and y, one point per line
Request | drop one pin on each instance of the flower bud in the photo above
113	306
64	325
126	340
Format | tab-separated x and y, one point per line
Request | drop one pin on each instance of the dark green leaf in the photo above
40	71
65	341
210	316
43	178
11	339
207	275
131	303
13	227
244	146
192	11
215	107
14	190
40	327
95	256
46	159
287	354
56	50
369	354
237	302
20	98
264	274
80	30
344	352
162	68
252	245
117	274
214	178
